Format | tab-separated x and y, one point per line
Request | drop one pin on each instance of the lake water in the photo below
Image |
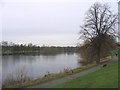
38	66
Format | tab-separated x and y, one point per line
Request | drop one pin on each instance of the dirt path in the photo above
70	77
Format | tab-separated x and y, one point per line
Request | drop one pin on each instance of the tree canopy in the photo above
98	31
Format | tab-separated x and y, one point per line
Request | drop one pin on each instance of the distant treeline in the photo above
12	49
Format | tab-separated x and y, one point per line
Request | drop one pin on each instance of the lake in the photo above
39	65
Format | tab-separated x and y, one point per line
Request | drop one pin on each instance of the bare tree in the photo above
99	28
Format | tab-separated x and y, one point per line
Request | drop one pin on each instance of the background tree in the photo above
99	30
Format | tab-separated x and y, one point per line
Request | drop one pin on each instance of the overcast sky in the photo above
53	23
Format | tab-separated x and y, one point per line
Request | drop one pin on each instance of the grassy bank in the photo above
49	77
54	76
104	78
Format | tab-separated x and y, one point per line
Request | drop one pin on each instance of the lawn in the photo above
104	78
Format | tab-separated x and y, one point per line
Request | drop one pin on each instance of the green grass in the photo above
104	78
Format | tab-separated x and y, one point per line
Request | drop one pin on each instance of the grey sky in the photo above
48	23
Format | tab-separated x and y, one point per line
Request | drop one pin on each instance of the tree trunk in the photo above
98	58
98	52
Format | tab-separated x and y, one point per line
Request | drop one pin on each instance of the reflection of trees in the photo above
40	65
13	60
10	60
49	57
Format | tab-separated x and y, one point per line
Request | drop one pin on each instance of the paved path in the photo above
70	77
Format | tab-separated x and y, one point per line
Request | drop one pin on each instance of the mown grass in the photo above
104	78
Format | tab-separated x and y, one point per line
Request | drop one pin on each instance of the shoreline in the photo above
51	77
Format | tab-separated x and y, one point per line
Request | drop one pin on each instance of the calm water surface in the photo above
38	66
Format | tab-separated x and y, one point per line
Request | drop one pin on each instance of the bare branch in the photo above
99	30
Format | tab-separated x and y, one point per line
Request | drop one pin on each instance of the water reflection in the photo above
39	65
